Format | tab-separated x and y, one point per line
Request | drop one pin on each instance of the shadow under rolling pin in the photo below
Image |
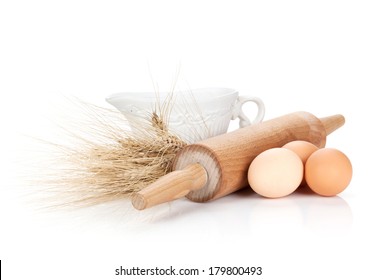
218	166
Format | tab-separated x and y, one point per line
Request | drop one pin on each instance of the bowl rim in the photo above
203	94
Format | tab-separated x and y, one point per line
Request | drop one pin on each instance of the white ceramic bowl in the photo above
193	115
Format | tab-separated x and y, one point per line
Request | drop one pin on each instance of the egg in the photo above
275	173
302	148
328	172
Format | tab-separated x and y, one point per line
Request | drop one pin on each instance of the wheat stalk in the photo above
109	161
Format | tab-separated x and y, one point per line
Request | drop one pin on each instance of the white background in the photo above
316	56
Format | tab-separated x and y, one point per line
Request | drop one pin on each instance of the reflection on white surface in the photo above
301	211
242	213
325	214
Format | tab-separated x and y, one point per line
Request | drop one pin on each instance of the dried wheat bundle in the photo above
108	160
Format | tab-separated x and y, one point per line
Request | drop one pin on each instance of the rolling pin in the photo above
218	166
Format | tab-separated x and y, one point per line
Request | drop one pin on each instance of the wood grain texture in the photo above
206	158
332	123
233	152
218	166
172	186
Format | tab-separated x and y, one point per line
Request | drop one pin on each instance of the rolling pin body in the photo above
226	158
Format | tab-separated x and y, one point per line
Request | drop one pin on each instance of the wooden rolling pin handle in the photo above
172	186
332	123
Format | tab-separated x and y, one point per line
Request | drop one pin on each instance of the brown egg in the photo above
328	172
302	148
275	173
